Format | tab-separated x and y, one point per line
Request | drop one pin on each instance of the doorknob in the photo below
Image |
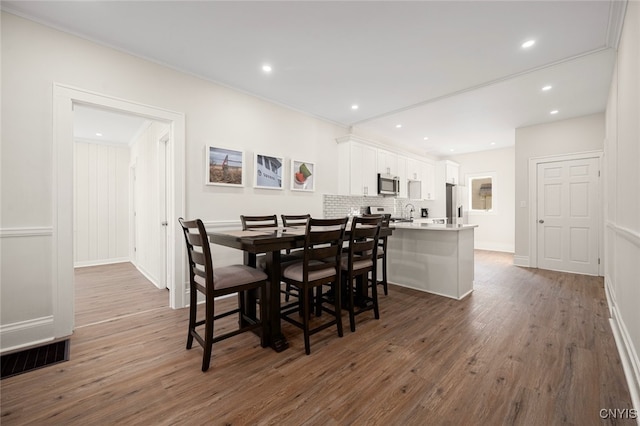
541	221
164	223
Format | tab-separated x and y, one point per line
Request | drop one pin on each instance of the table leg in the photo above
276	339
250	296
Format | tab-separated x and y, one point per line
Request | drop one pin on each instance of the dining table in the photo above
271	241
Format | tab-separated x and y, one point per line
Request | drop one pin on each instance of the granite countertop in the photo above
432	226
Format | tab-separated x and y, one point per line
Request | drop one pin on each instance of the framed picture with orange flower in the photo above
303	176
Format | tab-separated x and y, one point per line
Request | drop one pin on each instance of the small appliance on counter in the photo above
424	212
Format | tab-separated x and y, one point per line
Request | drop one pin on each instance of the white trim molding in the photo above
521	261
26	333
33	231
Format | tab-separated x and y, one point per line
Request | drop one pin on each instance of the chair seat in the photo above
232	276
357	264
295	271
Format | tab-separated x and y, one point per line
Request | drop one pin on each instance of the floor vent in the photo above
34	358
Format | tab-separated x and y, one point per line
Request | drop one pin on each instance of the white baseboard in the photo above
626	350
84	263
494	246
26	333
521	261
147	275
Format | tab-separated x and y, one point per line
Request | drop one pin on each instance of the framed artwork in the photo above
224	166
303	176
268	171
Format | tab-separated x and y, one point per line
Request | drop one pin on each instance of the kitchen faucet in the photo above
411	210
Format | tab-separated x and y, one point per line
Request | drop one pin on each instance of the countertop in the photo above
432	226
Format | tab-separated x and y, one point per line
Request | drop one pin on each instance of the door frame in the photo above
533	202
64	97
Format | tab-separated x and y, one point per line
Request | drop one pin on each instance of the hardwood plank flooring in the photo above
528	347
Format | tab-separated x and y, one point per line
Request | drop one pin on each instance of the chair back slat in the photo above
252	222
198	251
295	220
323	242
363	239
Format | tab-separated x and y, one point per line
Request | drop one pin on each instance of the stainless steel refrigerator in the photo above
455	204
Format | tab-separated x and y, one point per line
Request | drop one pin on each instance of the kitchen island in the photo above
435	258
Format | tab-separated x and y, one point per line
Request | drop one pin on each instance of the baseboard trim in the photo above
491	246
32	231
521	261
86	263
27	333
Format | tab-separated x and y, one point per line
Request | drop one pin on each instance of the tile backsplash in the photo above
342	205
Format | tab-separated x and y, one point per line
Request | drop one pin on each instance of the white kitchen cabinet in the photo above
387	163
419	171
402	176
357	168
451	172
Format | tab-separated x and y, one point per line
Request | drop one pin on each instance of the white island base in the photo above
436	259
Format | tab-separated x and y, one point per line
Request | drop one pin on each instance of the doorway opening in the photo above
172	142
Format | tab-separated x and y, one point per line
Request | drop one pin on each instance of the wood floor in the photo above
528	347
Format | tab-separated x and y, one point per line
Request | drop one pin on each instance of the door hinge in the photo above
598	261
598	173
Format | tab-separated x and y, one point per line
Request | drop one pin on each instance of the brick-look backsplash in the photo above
340	205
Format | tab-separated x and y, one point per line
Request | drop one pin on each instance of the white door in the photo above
568	215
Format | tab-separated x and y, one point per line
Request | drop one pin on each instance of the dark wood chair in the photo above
257	222
357	263
213	282
293	221
252	222
382	252
319	266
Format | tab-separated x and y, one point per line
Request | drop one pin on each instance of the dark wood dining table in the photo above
270	241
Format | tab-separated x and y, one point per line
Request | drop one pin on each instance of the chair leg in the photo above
287	291
208	334
384	275
193	311
304	293
337	307
352	315
374	296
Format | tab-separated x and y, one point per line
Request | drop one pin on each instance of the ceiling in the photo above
450	71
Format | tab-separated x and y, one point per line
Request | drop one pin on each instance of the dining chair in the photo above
257	222
293	221
382	251
214	282
320	265
253	222
360	261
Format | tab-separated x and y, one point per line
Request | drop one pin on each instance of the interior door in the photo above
568	215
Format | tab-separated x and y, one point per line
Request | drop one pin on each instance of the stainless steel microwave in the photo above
388	184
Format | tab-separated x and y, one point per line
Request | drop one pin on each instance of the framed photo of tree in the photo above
224	166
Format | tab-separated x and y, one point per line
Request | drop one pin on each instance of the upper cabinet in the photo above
357	168
451	172
422	178
387	163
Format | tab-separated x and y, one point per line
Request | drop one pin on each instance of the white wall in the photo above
569	136
149	207
101	204
495	230
622	192
35	57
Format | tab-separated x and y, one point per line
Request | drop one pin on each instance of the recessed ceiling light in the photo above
354	106
527	44
398	126
493	143
98	134
555	111
266	68
452	150
426	138
546	88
